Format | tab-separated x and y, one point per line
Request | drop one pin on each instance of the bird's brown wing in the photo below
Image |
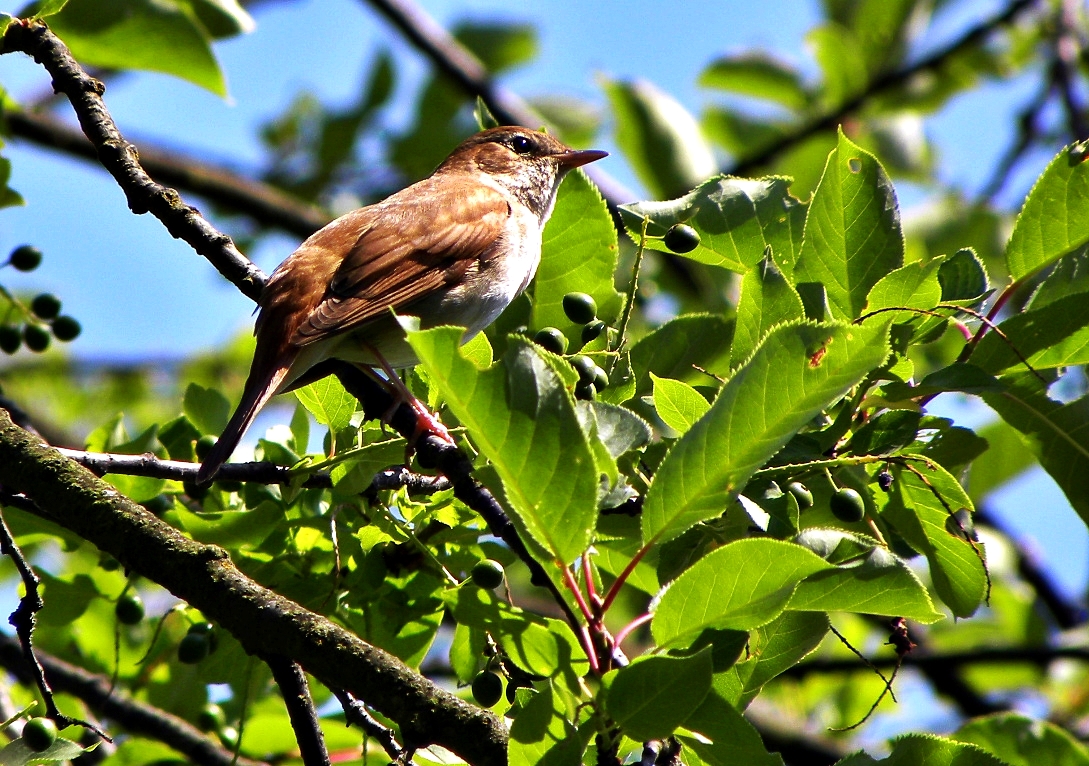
409	248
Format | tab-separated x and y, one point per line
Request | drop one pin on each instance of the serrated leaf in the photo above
222	18
329	403
1055	217
578	254
619	429
963	276
652	696
154	35
959	376
523	420
916	512
678	404
852	230
767	299
878	583
758	75
798	370
736	218
1052	431
659	137
676	348
740	586
726	738
1054	335
206	408
19	753
541	734
1021	741
917	749
886	433
912	286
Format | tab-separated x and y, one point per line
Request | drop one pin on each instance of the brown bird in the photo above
453	249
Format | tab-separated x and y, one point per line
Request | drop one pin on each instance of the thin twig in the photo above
300	709
355	712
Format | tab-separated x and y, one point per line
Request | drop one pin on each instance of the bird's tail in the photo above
256	393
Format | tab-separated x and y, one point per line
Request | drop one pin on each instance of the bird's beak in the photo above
577	158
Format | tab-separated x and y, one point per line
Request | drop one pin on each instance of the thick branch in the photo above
265	204
135	716
881	84
262	620
119	157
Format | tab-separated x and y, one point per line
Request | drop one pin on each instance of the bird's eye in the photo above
521	144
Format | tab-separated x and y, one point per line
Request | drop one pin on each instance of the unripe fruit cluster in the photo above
580	308
44	320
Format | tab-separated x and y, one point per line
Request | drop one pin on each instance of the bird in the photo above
452	249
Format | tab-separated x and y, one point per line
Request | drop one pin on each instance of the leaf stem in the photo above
629	305
623	577
631	626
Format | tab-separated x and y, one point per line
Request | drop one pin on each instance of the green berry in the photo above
487	688
193	648
207	630
129	610
601	379
580	308
228	735
585	391
211	718
681	238
25	258
194	490
801	494
847	505
204	446
592	331
65	328
36	338
45	306
10	338
39	734
229	485
487	574
584	366
551	339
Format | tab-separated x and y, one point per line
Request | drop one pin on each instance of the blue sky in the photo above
141	294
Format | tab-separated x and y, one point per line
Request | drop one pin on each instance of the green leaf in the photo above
852	231
233	529
1055	217
678	404
49	7
8	196
328	402
541	734
155	35
740	586
767	300
773	649
499	46
1021	741
19	753
963	276
523	420
736	218
1052	431
929	750
659	138
886	433
578	254
1070	276
915	286
758	75
959	376
842	62
798	370
652	696
1006	458
726	738
619	429
916	512
221	18
206	408
1054	335
877	583
677	347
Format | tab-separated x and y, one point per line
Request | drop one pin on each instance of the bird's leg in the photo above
426	421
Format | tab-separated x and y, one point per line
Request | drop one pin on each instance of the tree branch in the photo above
264	203
880	84
135	716
948	661
119	157
355	712
263	621
300	709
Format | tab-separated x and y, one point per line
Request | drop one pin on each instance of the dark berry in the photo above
193	648
36	338
65	328
39	734
129	610
847	505
584	366
204	447
801	494
487	688
681	238
551	339
25	258
601	379
884	480
11	337
46	306
586	392
487	574
580	308
211	718
592	331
